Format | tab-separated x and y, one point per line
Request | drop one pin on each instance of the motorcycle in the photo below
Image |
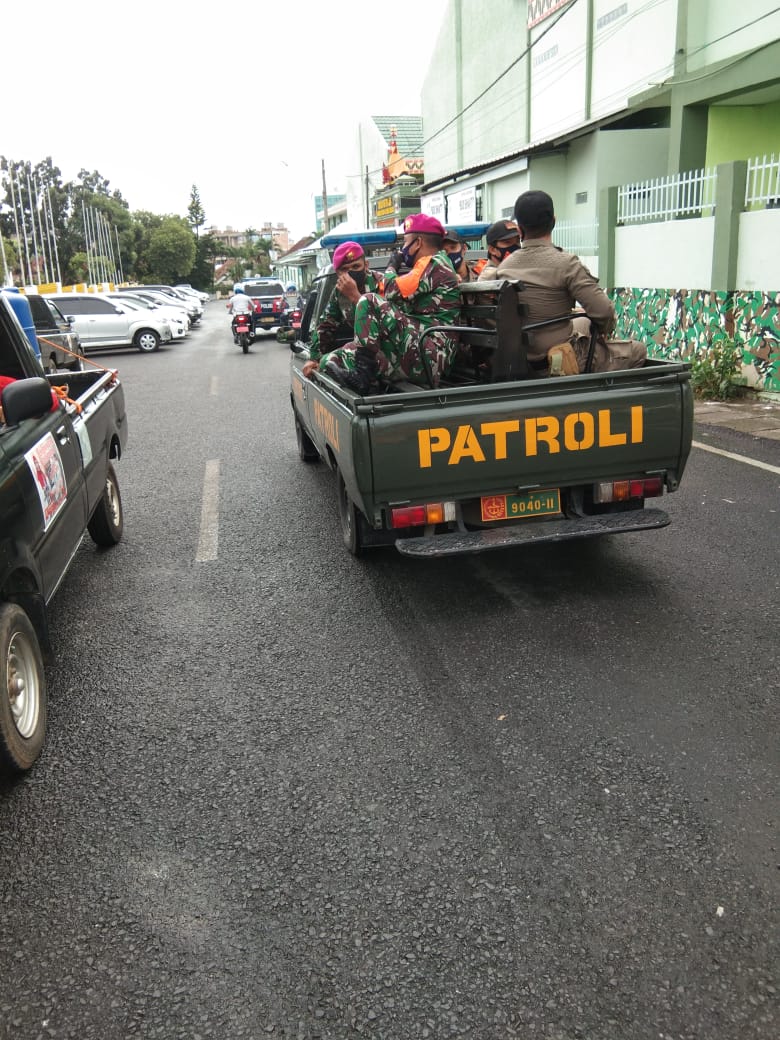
242	331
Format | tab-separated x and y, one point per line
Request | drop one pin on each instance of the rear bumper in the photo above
457	543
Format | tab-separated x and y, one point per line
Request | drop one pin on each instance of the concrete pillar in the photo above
729	202
687	138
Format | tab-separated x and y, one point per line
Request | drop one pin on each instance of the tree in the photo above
171	250
207	249
196	215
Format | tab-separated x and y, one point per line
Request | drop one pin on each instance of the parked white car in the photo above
176	316
194	307
159	299
203	297
102	322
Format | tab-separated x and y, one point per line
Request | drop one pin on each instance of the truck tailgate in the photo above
553	432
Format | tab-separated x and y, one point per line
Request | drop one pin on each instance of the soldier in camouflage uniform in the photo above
387	331
354	278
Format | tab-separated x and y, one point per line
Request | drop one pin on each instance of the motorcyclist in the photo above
239	303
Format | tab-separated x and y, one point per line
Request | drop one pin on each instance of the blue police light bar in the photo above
389	236
468	230
374	237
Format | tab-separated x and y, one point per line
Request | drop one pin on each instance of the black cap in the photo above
534	209
500	230
450	235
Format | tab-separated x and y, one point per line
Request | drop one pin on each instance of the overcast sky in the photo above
243	100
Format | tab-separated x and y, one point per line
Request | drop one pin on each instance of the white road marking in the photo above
208	543
213	386
737	458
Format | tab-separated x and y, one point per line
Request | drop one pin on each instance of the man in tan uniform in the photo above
555	282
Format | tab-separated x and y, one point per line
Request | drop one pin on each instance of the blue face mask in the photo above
456	259
408	258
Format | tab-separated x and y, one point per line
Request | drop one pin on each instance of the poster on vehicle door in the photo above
48	473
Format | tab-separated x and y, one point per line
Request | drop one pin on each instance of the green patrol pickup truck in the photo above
491	458
57	482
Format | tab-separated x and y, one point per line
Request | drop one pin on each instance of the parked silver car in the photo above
102	322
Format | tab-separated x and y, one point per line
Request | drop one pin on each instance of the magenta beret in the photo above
346	253
421	223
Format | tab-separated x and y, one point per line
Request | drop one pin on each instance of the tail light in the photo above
625	490
418	516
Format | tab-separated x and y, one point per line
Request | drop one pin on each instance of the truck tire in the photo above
23	701
306	449
351	519
147	341
107	522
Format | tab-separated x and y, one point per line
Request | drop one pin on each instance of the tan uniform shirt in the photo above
555	282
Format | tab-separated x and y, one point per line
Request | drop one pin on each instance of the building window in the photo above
580	198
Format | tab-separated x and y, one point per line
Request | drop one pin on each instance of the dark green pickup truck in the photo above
493	459
57	482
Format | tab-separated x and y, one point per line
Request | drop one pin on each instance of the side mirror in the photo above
70	318
25	399
119	310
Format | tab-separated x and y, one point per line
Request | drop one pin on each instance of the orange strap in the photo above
73	353
62	393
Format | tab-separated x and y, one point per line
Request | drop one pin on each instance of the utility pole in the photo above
368	212
324	201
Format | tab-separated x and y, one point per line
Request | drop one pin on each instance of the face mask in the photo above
504	251
359	278
408	258
456	259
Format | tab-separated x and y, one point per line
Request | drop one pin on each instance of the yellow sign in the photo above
326	422
577	431
385	207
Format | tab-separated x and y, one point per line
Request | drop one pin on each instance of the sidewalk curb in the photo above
758	416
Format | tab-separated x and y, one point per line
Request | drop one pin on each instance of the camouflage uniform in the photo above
339	312
390	328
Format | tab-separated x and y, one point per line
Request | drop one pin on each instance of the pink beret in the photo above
422	223
346	253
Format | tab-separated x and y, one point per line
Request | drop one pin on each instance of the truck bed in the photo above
501	437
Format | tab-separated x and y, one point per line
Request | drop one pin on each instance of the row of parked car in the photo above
142	317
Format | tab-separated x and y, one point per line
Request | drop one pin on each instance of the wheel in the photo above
351	520
77	364
147	340
306	449
107	522
23	703
244	343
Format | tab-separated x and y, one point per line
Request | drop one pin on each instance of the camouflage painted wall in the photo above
676	323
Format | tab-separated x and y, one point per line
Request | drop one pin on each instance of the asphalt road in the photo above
288	793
